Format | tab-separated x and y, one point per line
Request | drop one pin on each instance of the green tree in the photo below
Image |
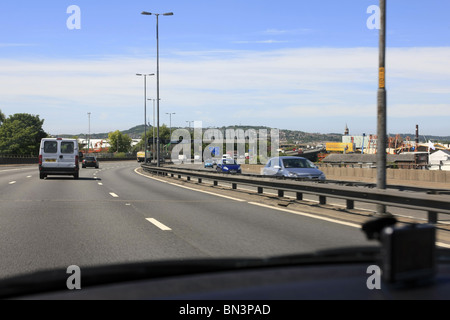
119	142
21	134
164	134
2	117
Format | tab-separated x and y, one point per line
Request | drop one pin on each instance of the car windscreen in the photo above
297	163
229	161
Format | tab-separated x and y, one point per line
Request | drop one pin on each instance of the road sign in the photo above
214	151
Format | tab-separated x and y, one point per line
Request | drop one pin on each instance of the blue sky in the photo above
299	65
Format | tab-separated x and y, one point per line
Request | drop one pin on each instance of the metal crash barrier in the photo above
434	204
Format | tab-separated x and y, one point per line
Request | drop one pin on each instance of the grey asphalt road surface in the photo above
340	203
115	215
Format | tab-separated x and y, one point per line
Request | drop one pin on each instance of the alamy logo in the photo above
373	22
213	143
74	21
374	280
74	281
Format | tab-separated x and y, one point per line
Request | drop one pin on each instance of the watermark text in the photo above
74	20
74	280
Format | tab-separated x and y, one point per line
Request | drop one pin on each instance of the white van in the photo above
58	156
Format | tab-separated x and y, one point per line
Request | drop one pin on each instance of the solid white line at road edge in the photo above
207	192
307	215
158	224
193	189
440	244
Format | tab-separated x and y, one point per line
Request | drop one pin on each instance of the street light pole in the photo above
381	108
153	136
145	111
89	136
190	137
170	123
153	128
189	122
157	76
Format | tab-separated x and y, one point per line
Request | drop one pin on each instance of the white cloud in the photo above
275	31
227	87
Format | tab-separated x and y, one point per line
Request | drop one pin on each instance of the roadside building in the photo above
440	160
439	156
413	160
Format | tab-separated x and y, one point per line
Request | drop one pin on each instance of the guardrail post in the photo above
234	186
260	190
199	180
188	178
171	175
216	183
432	217
299	196
179	176
350	204
322	200
280	193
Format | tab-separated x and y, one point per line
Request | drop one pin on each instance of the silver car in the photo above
293	167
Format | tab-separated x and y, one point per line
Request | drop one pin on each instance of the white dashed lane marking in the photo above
158	224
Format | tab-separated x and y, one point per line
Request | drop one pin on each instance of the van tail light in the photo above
76	160
40	159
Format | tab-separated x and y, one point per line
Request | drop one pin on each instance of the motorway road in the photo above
114	215
418	215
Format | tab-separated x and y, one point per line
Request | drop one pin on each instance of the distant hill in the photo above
134	133
286	136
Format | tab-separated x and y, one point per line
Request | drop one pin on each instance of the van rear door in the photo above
49	153
68	153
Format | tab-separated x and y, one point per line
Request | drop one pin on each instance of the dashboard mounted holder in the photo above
408	253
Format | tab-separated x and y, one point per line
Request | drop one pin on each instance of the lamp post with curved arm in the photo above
157	76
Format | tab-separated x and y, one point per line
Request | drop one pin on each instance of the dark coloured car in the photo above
228	166
90	161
